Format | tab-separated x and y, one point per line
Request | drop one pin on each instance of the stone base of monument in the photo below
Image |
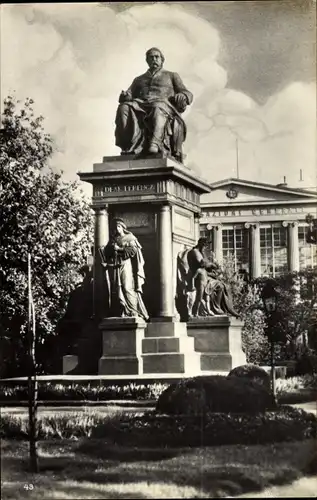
218	341
121	346
86	350
70	362
166	348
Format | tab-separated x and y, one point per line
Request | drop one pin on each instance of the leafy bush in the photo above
201	395
252	372
254	341
151	429
49	391
307	363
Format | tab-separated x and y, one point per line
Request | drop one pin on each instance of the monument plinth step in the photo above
123	365
183	363
121	346
167	345
128	162
122	323
218	340
161	328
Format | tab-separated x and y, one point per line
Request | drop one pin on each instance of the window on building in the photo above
307	251
235	244
266	248
273	245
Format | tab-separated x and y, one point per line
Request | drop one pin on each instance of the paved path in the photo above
306	487
310	407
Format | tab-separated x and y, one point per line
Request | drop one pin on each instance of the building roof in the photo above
281	188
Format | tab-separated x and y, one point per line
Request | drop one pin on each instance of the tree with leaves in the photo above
247	302
296	309
42	215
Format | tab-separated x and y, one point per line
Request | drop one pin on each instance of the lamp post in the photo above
270	298
311	236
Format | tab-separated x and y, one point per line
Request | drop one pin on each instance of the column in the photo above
292	245
255	252
197	217
166	302
100	294
217	242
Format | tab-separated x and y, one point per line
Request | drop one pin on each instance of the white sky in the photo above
74	59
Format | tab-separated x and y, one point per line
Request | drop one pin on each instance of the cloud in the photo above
74	60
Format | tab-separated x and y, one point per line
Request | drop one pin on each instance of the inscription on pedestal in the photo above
123	189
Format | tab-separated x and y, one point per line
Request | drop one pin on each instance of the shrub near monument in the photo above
252	372
219	394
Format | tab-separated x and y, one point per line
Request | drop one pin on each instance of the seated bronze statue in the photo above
148	119
200	291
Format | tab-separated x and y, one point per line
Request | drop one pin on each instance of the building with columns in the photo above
262	226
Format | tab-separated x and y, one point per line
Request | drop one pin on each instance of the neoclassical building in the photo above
262	226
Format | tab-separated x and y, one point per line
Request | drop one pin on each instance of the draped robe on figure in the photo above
125	276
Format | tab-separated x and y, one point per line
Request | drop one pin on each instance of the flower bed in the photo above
152	429
298	389
50	391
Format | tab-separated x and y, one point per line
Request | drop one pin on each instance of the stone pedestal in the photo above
122	346
159	200
166	348
218	342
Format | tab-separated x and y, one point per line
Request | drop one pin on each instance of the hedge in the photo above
214	394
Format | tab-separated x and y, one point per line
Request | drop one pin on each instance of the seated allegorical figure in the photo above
200	291
148	119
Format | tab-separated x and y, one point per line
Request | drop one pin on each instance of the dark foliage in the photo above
307	363
200	395
252	372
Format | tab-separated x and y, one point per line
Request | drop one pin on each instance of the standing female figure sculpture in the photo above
124	264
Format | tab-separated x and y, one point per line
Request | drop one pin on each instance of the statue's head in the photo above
154	58
118	226
202	243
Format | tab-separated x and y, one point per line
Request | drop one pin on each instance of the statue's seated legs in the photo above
129	129
150	130
156	130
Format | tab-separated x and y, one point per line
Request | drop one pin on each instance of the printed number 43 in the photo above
28	486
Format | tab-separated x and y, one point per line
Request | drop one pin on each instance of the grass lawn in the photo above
94	468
